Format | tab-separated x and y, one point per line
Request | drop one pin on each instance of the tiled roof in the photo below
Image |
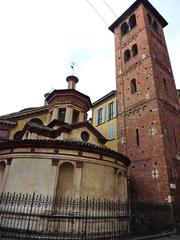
70	145
48	131
104	98
8	123
25	113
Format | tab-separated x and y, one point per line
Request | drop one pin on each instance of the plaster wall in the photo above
28	175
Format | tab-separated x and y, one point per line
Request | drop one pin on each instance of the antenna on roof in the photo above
72	66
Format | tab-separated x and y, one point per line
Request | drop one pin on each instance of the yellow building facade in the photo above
104	118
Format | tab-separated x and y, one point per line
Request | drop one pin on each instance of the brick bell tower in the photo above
147	103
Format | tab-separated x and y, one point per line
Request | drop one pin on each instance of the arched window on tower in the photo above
134	50
127	55
149	19
133	86
124	29
2	171
132	21
155	26
65	183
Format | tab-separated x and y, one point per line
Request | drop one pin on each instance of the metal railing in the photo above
44	217
25	216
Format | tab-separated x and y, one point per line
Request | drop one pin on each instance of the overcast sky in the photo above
40	38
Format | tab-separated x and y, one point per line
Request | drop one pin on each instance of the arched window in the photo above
2	171
132	21
36	121
133	86
155	26
65	184
149	19
124	29
127	55
134	50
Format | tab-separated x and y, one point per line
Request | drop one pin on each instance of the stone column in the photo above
69	114
81	117
55	113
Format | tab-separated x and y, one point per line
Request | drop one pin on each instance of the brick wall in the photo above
148	119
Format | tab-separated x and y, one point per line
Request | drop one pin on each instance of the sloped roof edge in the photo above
128	12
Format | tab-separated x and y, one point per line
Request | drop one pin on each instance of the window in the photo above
124	29
133	86
111	132
165	87
100	116
175	141
62	113
85	136
36	121
75	116
137	137
134	50
155	26
127	55
111	110
149	19
132	21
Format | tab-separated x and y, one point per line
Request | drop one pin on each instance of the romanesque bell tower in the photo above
148	108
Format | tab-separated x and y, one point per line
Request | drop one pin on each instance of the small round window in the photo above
85	136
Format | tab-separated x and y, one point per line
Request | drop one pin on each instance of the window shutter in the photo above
114	109
111	131
96	117
103	114
106	113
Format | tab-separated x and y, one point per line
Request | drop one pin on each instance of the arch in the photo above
134	50
65	183
2	171
132	21
127	55
124	29
36	120
133	86
149	19
155	26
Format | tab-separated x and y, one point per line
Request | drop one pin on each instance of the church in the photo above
43	147
54	150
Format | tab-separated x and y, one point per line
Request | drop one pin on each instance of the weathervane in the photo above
72	66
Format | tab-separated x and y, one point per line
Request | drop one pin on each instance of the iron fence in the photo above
44	217
24	216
